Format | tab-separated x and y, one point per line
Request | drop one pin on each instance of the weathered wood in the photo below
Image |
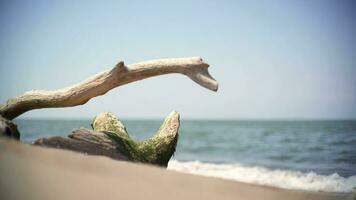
8	129
111	139
101	83
92	143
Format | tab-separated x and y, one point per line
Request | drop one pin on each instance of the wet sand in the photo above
30	172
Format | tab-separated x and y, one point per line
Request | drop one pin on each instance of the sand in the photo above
30	172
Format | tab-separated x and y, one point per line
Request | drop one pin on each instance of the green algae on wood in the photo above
156	150
110	138
108	122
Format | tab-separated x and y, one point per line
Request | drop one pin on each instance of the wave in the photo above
287	179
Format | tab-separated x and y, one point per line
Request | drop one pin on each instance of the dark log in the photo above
95	144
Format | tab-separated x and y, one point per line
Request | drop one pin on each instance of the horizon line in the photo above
192	119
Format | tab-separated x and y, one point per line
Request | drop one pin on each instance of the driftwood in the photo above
114	141
8	128
97	144
109	136
101	83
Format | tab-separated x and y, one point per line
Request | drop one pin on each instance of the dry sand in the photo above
30	172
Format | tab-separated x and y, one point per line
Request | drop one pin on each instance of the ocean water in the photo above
301	155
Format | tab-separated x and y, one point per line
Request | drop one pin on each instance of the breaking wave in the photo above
287	179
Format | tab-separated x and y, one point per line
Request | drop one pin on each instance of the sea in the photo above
309	155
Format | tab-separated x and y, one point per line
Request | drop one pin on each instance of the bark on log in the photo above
111	139
101	83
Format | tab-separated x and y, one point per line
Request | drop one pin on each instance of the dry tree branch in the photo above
99	84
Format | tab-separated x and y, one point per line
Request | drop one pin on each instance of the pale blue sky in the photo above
273	59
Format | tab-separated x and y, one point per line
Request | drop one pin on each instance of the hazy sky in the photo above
272	59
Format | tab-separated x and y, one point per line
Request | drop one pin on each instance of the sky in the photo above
272	59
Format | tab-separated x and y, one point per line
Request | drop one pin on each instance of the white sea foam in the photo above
287	179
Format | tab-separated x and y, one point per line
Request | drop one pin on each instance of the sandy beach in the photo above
30	172
259	99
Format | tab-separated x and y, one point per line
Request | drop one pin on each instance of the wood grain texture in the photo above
84	141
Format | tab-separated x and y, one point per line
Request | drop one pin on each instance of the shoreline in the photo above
30	172
265	176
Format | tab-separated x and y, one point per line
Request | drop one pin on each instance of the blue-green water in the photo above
325	148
